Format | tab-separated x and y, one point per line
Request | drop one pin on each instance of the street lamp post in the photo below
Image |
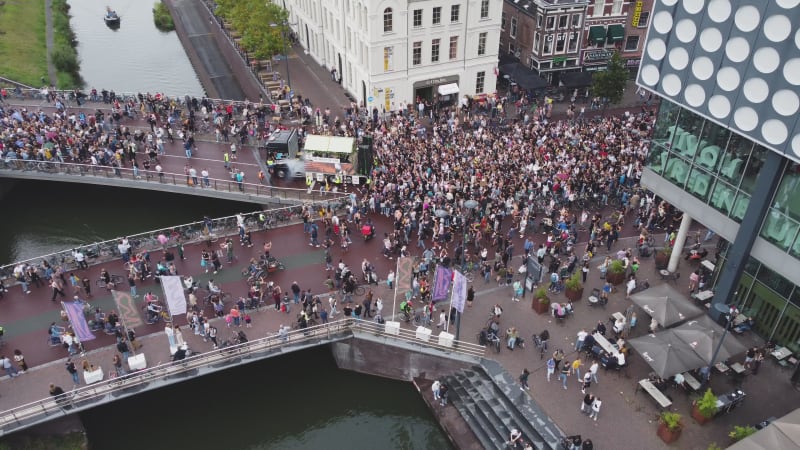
285	54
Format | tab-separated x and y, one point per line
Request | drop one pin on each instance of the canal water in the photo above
134	58
296	401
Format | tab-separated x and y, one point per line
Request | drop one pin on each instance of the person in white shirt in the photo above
435	389
630	287
442	319
581	339
595	409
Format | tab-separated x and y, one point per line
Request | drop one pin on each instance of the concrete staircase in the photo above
493	405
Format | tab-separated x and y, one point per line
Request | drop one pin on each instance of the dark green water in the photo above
42	217
296	401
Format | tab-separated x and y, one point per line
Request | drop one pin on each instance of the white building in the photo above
388	52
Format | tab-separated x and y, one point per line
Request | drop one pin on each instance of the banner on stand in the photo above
441	283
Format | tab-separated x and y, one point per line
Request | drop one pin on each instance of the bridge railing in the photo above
209	230
86	397
155	178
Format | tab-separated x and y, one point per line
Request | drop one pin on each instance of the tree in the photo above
252	19
610	84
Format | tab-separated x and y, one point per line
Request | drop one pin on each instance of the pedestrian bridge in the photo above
28	415
162	181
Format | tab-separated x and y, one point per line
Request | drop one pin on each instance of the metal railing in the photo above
155	178
205	230
85	397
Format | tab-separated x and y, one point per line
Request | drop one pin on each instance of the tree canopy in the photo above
252	19
610	83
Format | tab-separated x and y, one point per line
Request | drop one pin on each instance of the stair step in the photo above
460	399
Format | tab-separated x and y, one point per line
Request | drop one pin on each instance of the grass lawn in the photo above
23	49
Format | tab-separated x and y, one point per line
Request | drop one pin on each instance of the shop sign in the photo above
436	81
637	13
596	55
632	62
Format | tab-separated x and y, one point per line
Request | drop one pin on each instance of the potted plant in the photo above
574	287
738	433
704	409
540	302
616	272
662	257
669	426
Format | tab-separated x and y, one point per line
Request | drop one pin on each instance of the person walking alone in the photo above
564	374
523	380
73	371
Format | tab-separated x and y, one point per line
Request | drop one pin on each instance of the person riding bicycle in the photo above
105	276
153	310
406	309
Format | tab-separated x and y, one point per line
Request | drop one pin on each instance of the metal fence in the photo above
204	230
154	178
86	397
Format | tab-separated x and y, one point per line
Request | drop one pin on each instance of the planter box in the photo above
574	294
539	306
667	435
662	261
423	334
446	339
392	327
615	278
701	419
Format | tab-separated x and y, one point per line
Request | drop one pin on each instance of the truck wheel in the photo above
281	173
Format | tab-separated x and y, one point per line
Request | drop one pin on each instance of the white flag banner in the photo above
459	295
173	292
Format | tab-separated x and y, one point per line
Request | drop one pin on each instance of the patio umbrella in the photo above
666	353
783	433
703	335
441	213
471	204
665	304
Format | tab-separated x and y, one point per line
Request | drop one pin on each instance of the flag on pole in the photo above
405	269
173	291
441	283
459	296
77	319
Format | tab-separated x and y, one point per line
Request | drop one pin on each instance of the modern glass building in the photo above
726	144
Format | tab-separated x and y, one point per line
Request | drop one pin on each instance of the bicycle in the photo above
421	320
113	280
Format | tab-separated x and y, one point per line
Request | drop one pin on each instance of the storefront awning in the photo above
597	35
448	89
616	33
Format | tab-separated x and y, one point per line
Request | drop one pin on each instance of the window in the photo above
576	21
616	9
387	20
482	43
437	15
453	47
562	21
551	22
573	42
561	42
416	55
539	19
435	50
536	42
484	9
513	31
503	20
454	11
388	59
417	18
632	43
480	80
644	16
598	7
548	44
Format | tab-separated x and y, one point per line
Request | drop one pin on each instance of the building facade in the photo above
388	53
726	146
605	32
638	19
545	35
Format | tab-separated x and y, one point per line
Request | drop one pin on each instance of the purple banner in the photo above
78	320
441	283
459	297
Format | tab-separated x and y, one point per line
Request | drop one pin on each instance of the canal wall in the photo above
221	71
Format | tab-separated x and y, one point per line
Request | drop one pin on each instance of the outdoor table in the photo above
618	316
657	395
726	403
691	381
708	265
721	367
605	344
703	296
781	353
738	368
